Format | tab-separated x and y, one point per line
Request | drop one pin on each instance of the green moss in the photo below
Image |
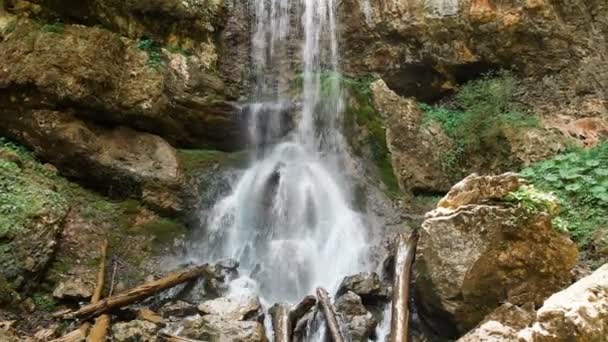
45	302
195	162
153	48
475	118
164	230
580	180
55	27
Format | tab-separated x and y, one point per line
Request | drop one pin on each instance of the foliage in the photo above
580	180
45	302
532	200
55	27
178	49
478	112
153	48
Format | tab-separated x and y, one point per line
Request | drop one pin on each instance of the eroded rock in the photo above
368	286
360	322
478	255
136	330
214	328
233	308
74	288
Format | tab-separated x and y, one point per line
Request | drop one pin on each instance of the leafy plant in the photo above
45	302
478	112
153	48
580	180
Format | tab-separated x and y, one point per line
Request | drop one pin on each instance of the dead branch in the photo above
400	313
330	315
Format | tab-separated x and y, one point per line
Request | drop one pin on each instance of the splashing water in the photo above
288	219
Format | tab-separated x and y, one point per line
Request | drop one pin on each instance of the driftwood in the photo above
300	309
141	292
99	331
400	313
77	335
281	324
330	315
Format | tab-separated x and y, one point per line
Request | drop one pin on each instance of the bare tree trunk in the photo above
330	315
281	324
141	292
400	313
99	331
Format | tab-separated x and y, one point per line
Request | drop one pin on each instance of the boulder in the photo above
74	288
360	322
366	285
415	151
214	328
474	257
136	330
476	189
233	308
501	325
578	313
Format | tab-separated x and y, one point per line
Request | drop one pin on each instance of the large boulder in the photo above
233	308
366	285
136	330
480	250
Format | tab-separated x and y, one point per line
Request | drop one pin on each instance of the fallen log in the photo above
77	335
400	313
300	309
141	292
281	324
330	315
99	331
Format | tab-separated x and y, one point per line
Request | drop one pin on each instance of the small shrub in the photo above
478	112
56	27
155	56
580	180
45	302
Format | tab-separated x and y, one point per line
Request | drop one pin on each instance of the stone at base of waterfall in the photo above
136	330
73	288
360	322
501	325
475	257
178	308
214	328
234	308
366	285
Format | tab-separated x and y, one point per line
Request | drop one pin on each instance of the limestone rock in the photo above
501	325
136	330
214	328
478	255
476	189
578	313
368	286
74	288
416	152
178	308
360	322
232	308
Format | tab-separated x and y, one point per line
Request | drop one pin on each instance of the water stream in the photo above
289	220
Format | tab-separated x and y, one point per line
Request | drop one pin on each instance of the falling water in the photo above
288	220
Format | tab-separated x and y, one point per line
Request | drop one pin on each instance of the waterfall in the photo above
288	219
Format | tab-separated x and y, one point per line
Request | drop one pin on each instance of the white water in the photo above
288	220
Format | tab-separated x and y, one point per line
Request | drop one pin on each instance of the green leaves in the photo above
580	180
153	49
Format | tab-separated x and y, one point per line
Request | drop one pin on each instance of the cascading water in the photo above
288	220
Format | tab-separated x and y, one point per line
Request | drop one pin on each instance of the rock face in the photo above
424	48
481	251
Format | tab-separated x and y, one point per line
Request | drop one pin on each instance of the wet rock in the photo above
367	285
233	308
578	313
136	330
476	189
214	328
360	322
178	308
74	288
478	255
